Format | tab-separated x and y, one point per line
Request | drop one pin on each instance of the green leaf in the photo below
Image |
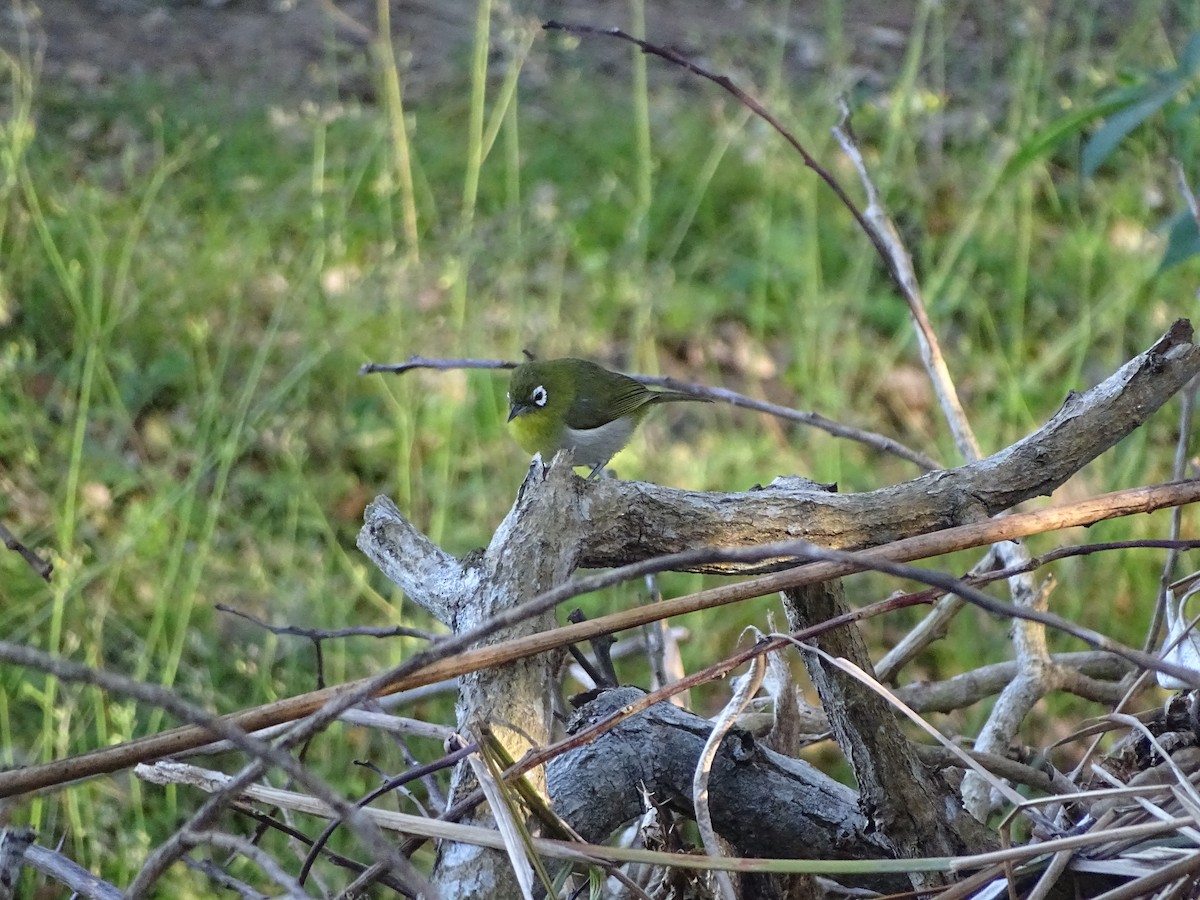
1044	142
1101	145
1183	241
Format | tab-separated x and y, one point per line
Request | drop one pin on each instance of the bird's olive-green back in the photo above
582	393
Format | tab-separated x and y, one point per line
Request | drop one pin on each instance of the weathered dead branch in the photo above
635	520
615	523
796	809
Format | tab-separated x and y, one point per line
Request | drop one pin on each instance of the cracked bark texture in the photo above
764	803
533	550
914	809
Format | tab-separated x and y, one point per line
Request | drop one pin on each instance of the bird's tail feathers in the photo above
676	397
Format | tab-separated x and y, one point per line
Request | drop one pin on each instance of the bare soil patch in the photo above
258	51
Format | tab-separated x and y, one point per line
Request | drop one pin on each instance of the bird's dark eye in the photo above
539	396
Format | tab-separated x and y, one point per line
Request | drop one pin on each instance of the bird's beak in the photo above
516	409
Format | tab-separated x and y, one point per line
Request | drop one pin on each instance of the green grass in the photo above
188	291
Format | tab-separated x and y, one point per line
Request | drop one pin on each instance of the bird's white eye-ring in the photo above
539	396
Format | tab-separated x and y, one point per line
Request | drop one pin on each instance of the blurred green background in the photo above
196	255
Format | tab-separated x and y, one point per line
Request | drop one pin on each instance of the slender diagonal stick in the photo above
457	655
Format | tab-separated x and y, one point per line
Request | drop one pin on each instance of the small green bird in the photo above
556	404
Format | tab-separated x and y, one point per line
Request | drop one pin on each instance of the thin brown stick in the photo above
328	634
742	97
42	566
426	362
813	420
871	439
428	666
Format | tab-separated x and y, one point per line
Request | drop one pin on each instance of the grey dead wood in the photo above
560	523
58	867
534	549
13	844
1094	675
913	808
763	803
635	520
960	691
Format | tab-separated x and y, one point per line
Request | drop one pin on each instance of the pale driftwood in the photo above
960	691
763	803
634	520
57	867
535	548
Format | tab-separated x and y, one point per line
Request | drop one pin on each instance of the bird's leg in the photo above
595	473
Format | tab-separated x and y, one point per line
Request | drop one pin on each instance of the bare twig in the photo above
601	672
967	688
662	649
1185	190
882	231
424	362
635	645
252	852
221	878
57	866
814	420
327	634
272	822
722	395
365	718
387	787
745	691
933	626
1000	766
742	97
42	566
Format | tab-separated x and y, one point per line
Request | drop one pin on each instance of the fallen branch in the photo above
421	671
798	811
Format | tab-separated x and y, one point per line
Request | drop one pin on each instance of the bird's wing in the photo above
622	394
